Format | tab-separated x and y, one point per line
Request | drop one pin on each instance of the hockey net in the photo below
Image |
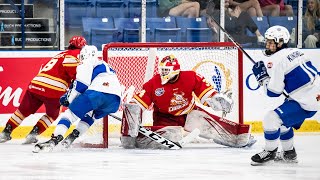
136	63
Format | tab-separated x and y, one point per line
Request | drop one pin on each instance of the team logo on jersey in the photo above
269	65
105	84
159	91
216	73
178	101
318	97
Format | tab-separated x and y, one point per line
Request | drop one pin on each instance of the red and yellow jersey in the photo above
55	77
175	98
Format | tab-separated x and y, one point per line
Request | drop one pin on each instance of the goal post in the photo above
135	63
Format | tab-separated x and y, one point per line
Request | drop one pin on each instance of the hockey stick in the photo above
211	7
164	141
231	38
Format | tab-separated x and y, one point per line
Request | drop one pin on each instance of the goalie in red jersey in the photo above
46	88
171	94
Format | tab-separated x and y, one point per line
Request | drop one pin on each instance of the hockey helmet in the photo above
88	52
278	33
77	42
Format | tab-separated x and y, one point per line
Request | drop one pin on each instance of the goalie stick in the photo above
164	141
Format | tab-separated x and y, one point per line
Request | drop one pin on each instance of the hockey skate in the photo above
70	138
48	145
263	157
5	135
32	136
289	156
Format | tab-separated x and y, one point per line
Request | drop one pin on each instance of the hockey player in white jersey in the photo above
289	72
95	94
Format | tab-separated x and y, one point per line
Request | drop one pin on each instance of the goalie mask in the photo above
169	68
277	38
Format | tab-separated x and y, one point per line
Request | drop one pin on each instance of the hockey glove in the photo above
221	102
64	100
260	72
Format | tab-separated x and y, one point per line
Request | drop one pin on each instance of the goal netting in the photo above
136	63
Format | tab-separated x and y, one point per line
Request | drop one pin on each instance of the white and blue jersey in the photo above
95	94
98	77
98	88
292	73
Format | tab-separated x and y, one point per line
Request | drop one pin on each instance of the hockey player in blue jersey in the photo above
95	94
288	72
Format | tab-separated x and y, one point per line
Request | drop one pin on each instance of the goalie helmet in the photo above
77	42
88	52
169	68
278	33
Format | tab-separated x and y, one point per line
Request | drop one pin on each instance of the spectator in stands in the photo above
251	6
275	8
236	24
178	8
312	24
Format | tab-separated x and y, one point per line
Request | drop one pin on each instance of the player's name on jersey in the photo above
31	39
30	24
8	11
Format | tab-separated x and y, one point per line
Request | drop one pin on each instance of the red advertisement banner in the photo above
15	75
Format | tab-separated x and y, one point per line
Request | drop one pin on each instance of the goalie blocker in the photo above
221	131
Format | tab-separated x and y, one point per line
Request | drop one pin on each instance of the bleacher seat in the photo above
99	31
194	29
288	22
111	8
129	29
101	36
262	23
134	8
75	10
164	29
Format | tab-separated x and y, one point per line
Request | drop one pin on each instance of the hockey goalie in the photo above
171	92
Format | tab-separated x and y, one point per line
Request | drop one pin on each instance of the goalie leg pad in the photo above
131	119
221	131
128	142
173	133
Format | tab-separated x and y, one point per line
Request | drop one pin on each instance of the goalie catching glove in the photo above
221	102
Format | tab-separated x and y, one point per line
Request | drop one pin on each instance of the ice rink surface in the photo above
194	162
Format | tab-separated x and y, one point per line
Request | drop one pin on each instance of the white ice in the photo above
194	162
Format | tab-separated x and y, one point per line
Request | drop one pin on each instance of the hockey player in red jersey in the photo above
171	94
46	88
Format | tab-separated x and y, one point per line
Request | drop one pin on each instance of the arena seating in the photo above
262	23
128	29
99	31
134	8
194	29
111	8
126	15
164	29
